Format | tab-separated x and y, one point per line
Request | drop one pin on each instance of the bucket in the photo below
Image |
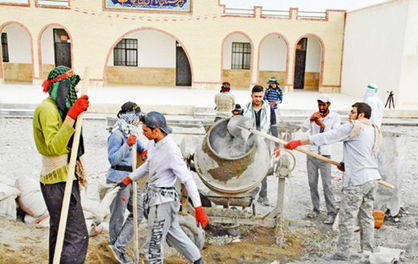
232	172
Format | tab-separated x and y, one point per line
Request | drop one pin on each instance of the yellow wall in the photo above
141	76
17	72
237	78
94	34
266	75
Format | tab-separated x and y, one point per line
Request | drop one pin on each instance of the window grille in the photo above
126	53
4	47
241	56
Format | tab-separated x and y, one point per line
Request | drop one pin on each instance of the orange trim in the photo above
31	46
147	28
252	52
40	46
18	5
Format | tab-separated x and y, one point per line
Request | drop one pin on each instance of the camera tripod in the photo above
390	100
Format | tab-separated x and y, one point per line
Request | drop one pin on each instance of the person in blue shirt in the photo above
273	94
123	136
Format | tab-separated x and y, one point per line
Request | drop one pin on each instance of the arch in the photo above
321	43
40	46
287	54
143	29
252	52
2	27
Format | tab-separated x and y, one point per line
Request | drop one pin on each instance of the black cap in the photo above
156	120
129	107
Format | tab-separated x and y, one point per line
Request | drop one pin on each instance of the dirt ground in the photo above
296	241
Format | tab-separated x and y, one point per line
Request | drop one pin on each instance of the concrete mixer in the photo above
232	168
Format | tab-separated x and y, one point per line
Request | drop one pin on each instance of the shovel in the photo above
238	123
135	206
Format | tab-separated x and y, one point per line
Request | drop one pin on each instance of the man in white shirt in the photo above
361	141
319	122
164	165
371	98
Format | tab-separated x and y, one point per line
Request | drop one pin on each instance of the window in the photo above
241	56
16	2
55	3
4	48
126	53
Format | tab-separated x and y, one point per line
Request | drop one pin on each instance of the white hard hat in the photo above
324	98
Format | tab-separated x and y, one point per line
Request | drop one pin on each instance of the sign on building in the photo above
150	5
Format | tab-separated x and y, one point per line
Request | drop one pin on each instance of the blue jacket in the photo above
119	153
273	95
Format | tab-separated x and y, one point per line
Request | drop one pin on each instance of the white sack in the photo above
31	199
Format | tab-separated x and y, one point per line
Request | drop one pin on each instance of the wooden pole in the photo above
69	183
307	152
135	206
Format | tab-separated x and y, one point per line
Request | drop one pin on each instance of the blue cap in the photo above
156	120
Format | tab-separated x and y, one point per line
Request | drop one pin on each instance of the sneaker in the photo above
119	256
329	220
337	256
312	215
264	201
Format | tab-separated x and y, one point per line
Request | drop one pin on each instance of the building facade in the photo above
192	43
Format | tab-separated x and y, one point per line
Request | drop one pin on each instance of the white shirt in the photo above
377	109
164	165
331	121
359	160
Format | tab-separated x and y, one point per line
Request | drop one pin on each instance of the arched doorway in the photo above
16	53
273	59
148	57
308	63
237	57
55	44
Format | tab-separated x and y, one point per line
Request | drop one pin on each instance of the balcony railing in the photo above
275	13
55	3
17	2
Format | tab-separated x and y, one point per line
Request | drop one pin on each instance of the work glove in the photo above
277	151
131	140
341	166
145	155
292	144
201	216
80	105
124	183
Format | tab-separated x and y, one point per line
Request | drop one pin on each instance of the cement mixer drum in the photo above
227	165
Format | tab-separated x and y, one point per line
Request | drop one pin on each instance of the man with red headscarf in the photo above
225	102
53	129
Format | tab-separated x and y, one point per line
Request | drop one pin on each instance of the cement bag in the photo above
31	200
8	196
42	221
392	163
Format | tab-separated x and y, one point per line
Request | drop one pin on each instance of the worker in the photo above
165	164
361	141
53	131
371	98
264	120
319	122
224	101
119	145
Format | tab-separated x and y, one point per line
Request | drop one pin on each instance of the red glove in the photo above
341	166
131	140
292	144
80	105
124	183
144	155
277	151
271	104
201	216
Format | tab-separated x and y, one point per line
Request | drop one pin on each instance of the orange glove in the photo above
124	183
201	216
131	140
292	144
341	166
80	105
144	155
277	151
271	104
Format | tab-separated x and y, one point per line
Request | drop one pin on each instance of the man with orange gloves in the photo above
361	141
164	165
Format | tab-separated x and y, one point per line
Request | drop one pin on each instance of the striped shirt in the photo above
273	95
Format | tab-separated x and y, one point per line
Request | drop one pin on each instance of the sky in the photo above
303	5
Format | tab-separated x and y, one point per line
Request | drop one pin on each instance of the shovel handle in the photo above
307	152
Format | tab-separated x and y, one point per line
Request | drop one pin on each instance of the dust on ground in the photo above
296	241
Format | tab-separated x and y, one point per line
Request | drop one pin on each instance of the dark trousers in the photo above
76	235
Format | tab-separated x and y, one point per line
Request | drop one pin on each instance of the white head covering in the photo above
371	98
324	98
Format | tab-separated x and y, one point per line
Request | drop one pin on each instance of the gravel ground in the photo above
18	156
